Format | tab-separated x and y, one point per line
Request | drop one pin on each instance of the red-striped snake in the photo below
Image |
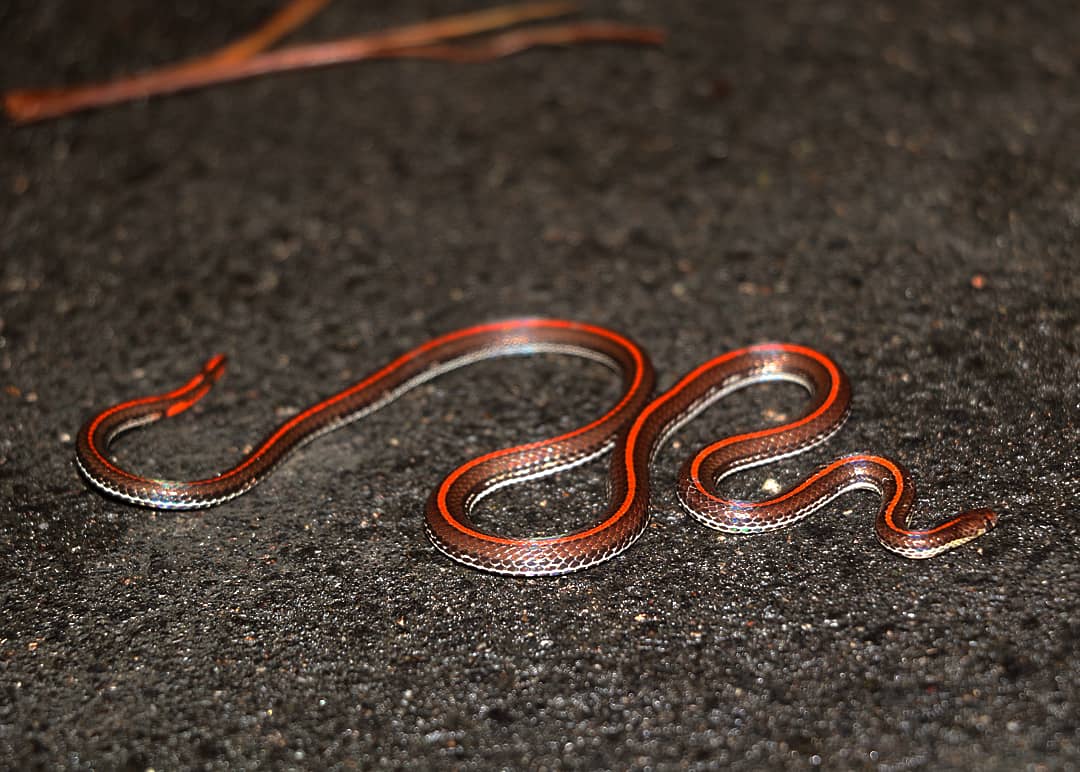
635	428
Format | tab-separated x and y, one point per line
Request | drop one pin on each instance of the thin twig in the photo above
29	105
510	43
291	16
238	61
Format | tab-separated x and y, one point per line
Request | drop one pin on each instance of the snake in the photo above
633	430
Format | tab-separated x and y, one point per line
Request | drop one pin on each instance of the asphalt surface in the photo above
896	184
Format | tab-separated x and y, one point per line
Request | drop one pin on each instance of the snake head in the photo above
987	518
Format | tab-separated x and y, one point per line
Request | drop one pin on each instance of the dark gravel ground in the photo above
897	184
